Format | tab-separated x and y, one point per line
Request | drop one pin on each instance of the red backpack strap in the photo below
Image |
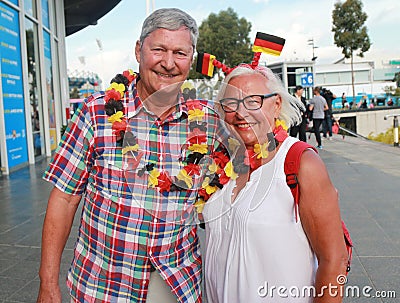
349	245
291	167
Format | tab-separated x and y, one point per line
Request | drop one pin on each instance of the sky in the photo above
297	21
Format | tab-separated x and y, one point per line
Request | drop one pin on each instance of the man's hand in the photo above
49	293
60	214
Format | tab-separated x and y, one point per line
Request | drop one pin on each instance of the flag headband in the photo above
263	43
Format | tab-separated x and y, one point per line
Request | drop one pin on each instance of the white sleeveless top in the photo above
255	250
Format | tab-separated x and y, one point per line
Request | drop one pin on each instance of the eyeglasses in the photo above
252	102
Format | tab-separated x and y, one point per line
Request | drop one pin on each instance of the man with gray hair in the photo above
129	154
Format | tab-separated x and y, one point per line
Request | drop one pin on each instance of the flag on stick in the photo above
268	44
205	64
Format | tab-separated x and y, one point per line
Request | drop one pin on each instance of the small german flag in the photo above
268	44
205	64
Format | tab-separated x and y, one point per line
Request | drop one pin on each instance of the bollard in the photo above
395	131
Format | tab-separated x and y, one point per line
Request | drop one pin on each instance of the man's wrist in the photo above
49	278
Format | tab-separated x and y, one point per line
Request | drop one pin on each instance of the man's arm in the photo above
60	214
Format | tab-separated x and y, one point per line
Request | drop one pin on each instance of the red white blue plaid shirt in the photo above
126	226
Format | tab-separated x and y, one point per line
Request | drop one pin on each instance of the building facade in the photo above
369	82
33	60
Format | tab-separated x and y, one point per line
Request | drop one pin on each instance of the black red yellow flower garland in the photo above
220	171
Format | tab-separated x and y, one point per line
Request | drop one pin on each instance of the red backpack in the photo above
292	165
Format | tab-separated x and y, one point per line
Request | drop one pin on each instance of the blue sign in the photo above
45	13
307	79
12	86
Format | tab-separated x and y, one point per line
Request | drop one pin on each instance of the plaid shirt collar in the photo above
135	104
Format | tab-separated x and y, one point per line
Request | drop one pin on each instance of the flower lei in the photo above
254	156
114	106
221	170
251	159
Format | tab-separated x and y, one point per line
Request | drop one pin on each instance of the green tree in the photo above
226	36
350	33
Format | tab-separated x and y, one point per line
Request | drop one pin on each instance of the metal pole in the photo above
396	131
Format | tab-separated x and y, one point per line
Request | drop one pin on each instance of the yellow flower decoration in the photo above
211	189
261	150
199	205
195	115
133	148
213	167
229	171
233	144
119	87
117	117
153	177
183	176
282	123
199	148
206	185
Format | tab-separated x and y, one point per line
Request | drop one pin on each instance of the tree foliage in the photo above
350	33
226	36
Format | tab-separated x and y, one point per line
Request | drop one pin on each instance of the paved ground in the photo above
366	174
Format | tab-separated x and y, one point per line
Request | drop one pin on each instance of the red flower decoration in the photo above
198	137
194	104
112	94
133	161
119	127
203	194
220	159
128	75
223	178
164	182
280	133
251	159
192	169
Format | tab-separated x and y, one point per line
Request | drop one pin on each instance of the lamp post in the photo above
150	7
100	46
311	42
395	129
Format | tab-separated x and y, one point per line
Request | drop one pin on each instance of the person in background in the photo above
253	240
372	104
327	123
364	104
301	128
344	100
351	103
318	106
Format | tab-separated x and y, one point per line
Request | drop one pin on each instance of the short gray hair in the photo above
291	106
170	19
